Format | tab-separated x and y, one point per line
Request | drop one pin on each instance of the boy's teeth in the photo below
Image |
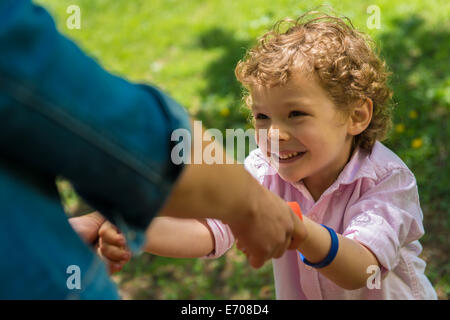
290	155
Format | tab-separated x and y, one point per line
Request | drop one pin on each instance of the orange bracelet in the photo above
296	208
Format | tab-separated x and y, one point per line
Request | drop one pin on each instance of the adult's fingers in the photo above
282	248
299	234
257	261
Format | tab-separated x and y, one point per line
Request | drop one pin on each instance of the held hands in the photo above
112	244
269	232
112	247
254	236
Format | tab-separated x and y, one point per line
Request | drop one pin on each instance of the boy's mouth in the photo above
287	157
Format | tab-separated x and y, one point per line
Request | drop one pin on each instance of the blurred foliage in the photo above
190	49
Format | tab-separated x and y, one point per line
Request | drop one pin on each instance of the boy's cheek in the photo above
262	141
264	149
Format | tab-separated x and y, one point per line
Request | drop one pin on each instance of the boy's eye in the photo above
261	116
296	114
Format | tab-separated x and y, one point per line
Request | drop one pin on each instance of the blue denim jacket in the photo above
61	114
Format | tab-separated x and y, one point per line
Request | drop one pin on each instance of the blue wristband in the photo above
331	254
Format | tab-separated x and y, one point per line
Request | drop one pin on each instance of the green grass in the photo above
190	48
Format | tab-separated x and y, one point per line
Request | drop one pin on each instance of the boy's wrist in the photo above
317	242
331	254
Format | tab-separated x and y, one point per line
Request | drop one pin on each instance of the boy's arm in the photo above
179	238
166	236
349	268
385	218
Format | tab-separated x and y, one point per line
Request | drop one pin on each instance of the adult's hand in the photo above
87	226
262	223
268	231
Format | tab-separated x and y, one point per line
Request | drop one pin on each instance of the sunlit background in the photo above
190	49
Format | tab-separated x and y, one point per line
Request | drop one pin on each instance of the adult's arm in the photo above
63	114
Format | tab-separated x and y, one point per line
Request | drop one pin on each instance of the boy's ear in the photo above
360	116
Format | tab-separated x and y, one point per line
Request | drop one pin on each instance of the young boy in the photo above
322	87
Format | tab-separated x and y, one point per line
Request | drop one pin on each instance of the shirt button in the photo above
308	267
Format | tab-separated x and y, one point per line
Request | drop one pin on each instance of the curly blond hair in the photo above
342	59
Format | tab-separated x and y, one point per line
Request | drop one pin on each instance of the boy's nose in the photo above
276	133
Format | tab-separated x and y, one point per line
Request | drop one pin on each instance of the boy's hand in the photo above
112	247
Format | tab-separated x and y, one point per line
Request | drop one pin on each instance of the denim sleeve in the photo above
62	114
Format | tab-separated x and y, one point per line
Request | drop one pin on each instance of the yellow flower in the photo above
225	112
400	128
413	114
417	143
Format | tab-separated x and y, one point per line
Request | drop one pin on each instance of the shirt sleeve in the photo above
256	165
387	217
223	238
63	114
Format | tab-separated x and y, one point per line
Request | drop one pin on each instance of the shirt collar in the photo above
357	168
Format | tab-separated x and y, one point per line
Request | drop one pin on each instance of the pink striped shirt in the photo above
374	201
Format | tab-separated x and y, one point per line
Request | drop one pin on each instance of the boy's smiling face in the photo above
314	144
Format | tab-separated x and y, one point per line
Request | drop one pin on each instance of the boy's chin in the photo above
290	177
